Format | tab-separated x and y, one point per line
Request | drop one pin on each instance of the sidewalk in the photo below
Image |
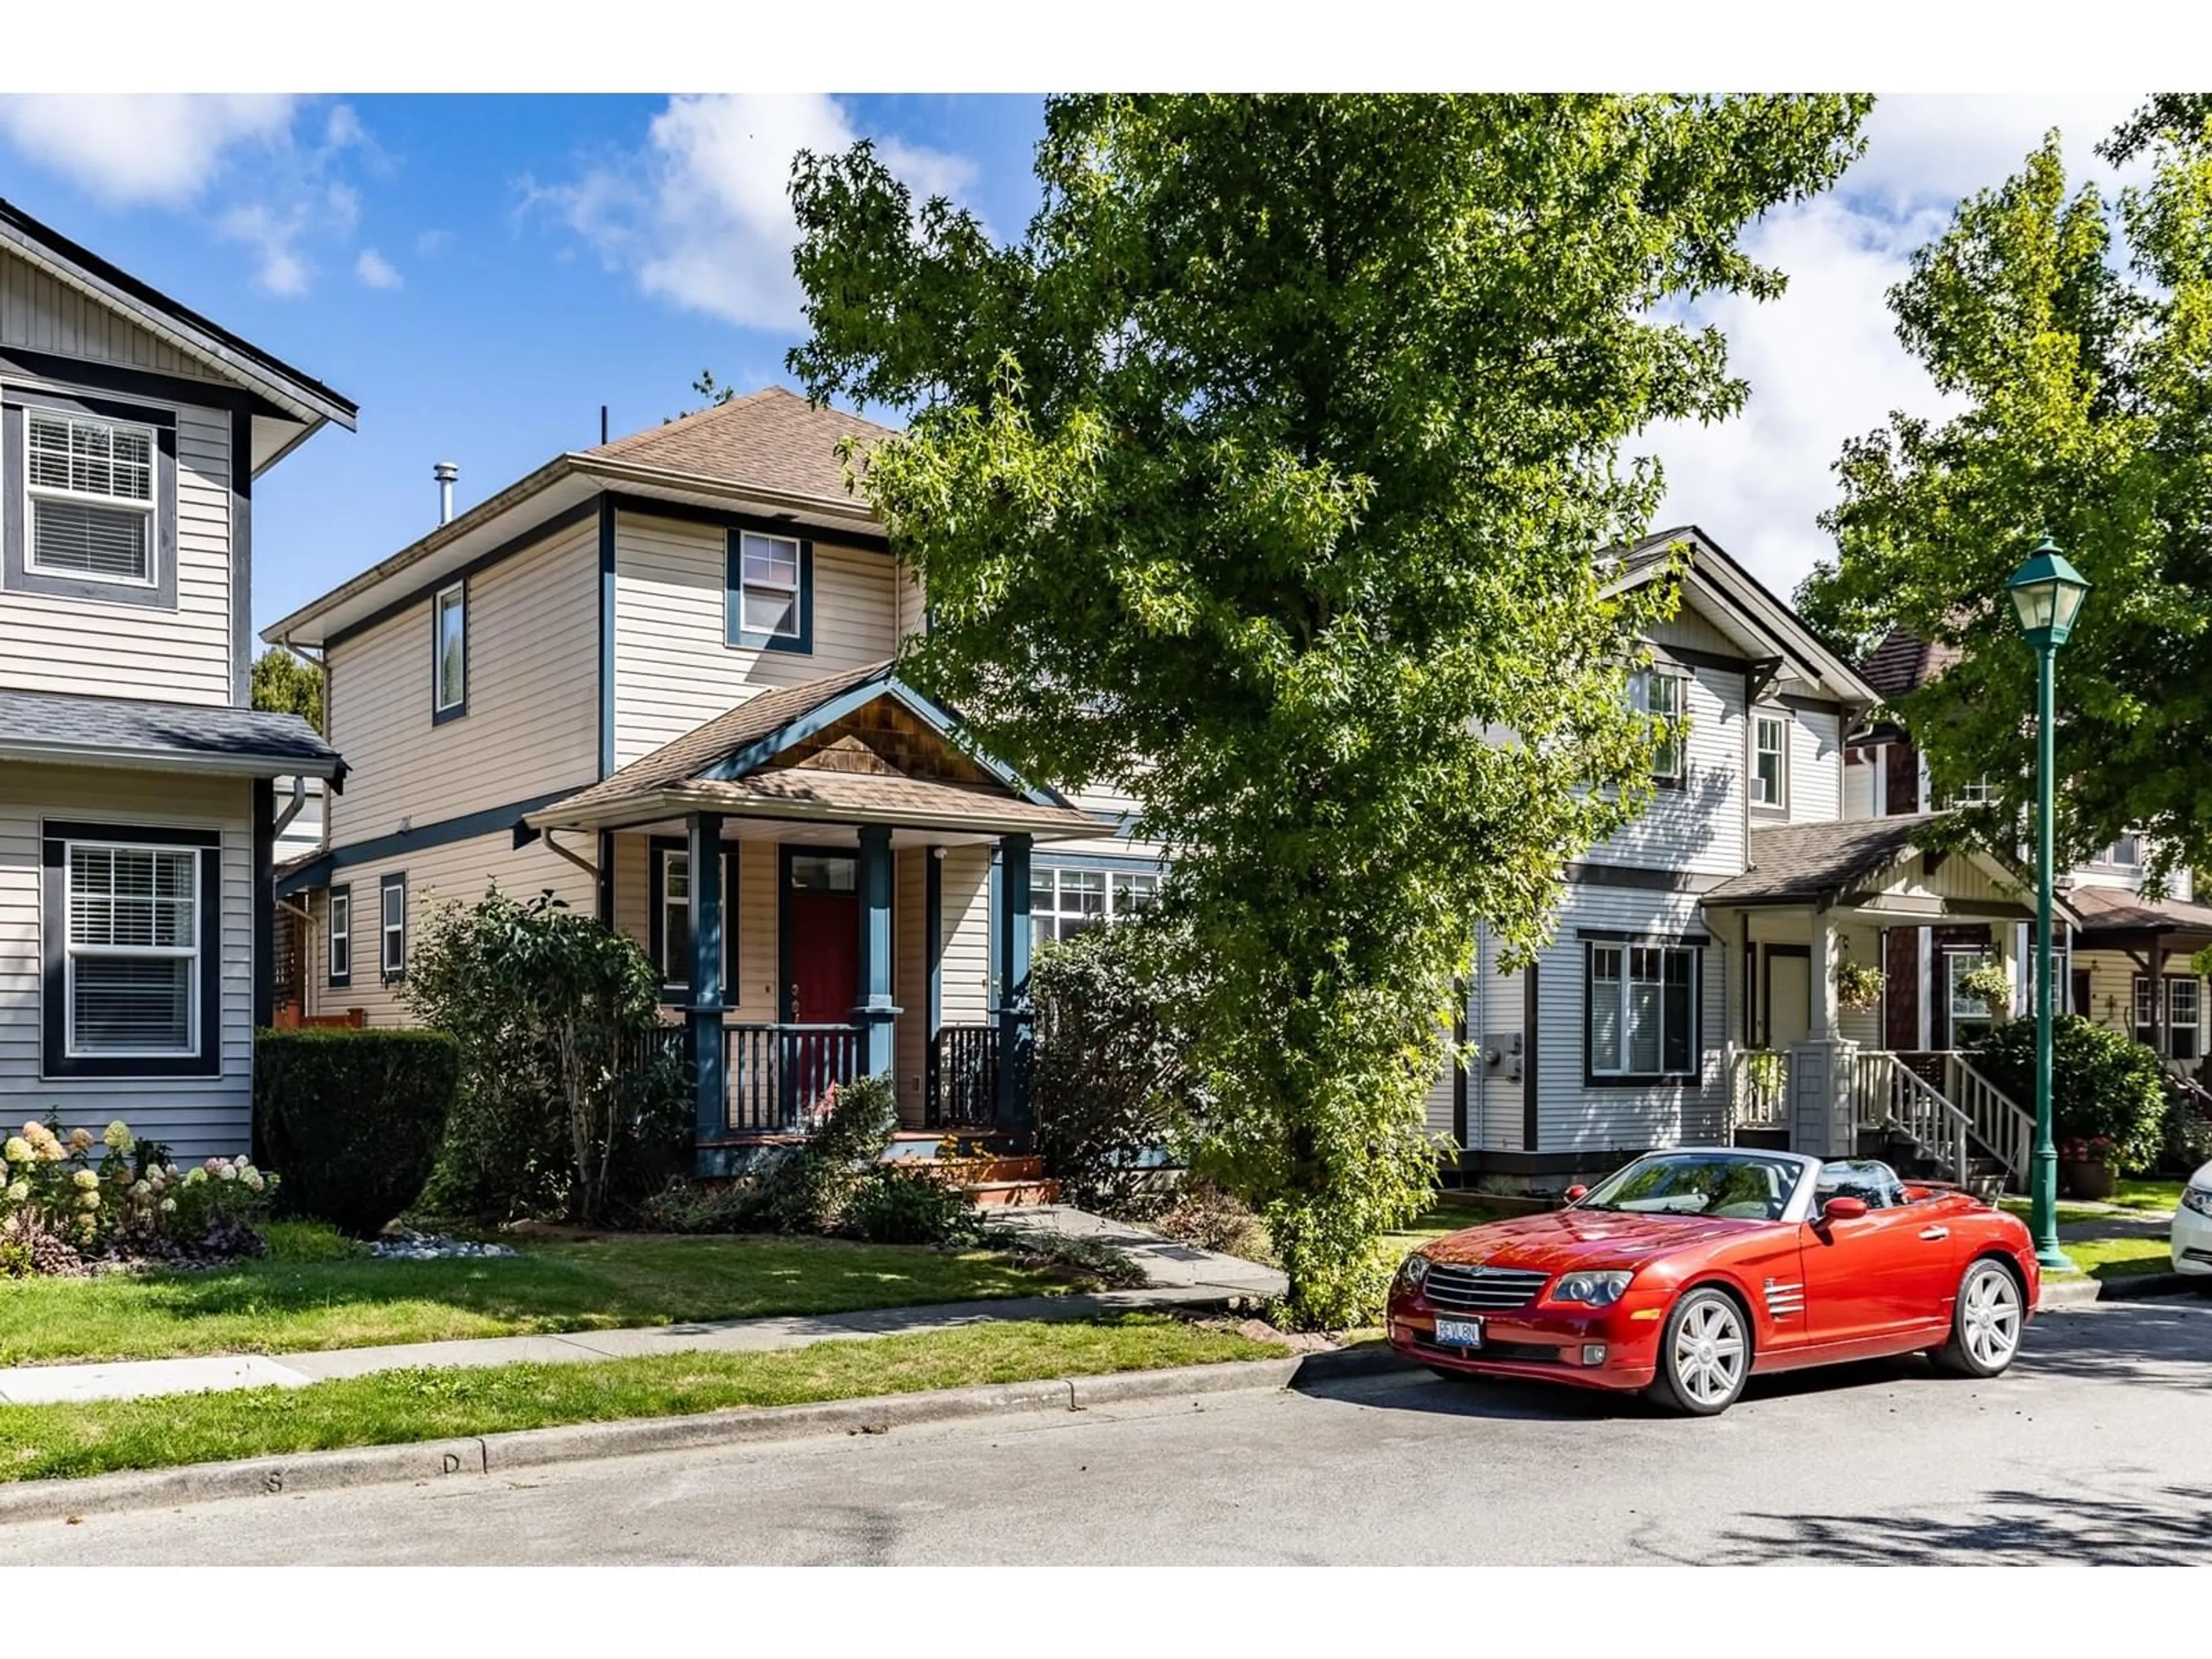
1182	1277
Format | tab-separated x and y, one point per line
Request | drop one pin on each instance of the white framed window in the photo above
90	487
675	917
1643	1010
391	927
770	597
449	648
1980	793
132	967
2125	854
1770	759
2184	1008
1655	692
1065	901
1970	1015
338	944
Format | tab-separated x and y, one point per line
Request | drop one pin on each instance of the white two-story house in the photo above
656	679
138	815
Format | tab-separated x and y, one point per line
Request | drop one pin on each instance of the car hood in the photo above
1561	1241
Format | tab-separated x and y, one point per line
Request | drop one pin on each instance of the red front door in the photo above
825	958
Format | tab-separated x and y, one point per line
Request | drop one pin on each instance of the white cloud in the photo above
703	216
1823	362
274	237
374	270
162	148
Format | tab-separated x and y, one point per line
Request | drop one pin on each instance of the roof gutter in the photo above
164	760
633	810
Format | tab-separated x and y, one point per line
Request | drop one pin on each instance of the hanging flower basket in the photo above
1989	984
1858	986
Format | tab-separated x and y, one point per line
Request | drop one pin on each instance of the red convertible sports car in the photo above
1687	1271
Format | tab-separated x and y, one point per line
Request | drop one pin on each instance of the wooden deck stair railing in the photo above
1889	1093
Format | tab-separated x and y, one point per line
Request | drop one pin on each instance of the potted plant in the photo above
2087	1166
1991	985
1857	985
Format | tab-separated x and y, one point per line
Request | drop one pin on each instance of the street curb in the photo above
2128	1287
499	1454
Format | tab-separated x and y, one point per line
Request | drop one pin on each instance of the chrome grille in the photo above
1454	1289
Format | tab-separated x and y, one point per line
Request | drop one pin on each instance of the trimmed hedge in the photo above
352	1120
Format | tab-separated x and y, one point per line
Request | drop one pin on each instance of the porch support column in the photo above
704	1017
1823	1116
876	1010
2160	1038
1012	1106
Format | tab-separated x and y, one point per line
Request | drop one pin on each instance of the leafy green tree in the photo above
285	685
2083	370
1264	477
2182	116
711	393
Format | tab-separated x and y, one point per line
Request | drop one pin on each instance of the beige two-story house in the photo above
657	679
138	811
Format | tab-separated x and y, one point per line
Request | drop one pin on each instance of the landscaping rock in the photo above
410	1246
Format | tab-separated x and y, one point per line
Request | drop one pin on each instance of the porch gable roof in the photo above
2105	911
729	765
1818	865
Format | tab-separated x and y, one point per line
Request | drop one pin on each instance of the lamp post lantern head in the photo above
2046	594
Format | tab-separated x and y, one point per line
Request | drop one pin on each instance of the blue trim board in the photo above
677	994
467	827
521	543
649	506
607	597
264	901
241	559
734	632
19	362
933	924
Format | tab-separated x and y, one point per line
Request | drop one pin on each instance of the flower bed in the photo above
73	1203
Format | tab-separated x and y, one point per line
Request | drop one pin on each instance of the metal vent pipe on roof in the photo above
445	472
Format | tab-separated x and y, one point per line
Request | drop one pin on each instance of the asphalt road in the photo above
2098	1447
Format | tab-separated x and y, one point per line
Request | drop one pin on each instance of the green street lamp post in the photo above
2046	594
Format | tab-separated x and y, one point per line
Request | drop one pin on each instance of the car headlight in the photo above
1412	1270
1597	1290
2198	1198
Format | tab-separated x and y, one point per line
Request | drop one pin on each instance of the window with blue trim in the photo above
770	597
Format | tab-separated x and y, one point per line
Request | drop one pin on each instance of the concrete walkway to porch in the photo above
1182	1278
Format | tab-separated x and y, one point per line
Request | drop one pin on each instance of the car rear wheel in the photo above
1705	1354
1986	1324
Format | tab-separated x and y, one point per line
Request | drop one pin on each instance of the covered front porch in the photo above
830	888
1817	1071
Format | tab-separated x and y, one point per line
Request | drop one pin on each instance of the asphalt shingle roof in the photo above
1791	863
31	722
773	437
1903	663
2116	910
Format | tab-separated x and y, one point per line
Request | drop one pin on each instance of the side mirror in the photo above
1843	1209
1576	1194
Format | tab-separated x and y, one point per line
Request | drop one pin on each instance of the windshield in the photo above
1740	1186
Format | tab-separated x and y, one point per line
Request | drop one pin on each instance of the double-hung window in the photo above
132	977
1643	1010
1770	763
1970	1014
2125	854
90	487
339	943
770	597
391	927
1065	902
1658	694
449	648
2183	1005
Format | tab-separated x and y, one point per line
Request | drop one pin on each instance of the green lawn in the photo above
2116	1258
391	1408
274	1307
1447	1215
2149	1194
2066	1211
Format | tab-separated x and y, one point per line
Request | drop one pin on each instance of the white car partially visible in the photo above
2192	1225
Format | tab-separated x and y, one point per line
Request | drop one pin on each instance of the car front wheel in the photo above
1705	1354
1985	1323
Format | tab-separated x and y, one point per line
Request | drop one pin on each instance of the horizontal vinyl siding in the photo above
197	1117
1699	827
532	720
672	670
1495	1107
1114	804
1858	790
39	313
461	871
1816	768
83	645
967	921
1576	1117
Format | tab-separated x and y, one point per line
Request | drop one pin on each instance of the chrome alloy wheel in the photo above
1989	1317
1710	1351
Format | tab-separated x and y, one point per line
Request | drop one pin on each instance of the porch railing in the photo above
1757	1089
1887	1093
777	1075
2004	1130
962	1087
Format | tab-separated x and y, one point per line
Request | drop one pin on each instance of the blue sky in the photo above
482	273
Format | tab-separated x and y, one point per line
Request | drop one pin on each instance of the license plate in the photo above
1459	1333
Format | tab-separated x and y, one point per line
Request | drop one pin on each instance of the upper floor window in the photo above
449	666
391	927
770	600
1979	793
1770	768
2125	854
1066	901
90	485
339	944
1655	692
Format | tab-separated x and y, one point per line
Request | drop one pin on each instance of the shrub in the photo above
309	1240
2103	1083
354	1118
64	1203
805	1188
2185	1138
1078	1258
1202	1214
570	1093
1111	1090
895	1204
